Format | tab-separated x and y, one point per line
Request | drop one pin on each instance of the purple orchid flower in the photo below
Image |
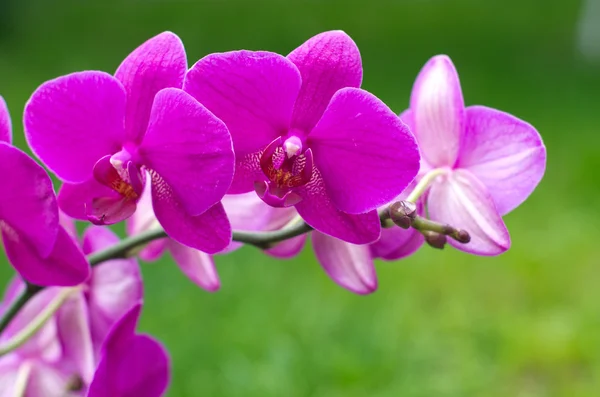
61	358
488	161
101	134
39	368
35	244
306	136
131	364
245	212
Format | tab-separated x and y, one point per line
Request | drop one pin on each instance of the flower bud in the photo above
462	236
402	213
434	239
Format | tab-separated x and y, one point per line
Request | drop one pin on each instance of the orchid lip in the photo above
287	167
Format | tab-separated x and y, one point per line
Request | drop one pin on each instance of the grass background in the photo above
523	324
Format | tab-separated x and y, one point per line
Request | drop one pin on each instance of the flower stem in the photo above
424	184
38	322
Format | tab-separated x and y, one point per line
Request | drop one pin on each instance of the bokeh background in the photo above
443	323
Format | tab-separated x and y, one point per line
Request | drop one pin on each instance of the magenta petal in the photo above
349	265
505	153
247	171
75	198
209	232
131	365
27	202
462	201
317	209
252	92
327	62
9	369
396	243
110	210
74	332
438	110
65	266
72	121
5	123
158	63
115	287
190	148
365	154
196	265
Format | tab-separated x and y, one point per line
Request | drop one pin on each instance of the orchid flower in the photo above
482	163
101	134
36	245
60	359
306	136
131	364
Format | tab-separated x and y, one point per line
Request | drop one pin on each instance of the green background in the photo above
443	323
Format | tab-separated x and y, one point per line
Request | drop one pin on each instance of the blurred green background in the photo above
442	323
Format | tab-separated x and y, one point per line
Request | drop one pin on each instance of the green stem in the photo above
38	322
424	184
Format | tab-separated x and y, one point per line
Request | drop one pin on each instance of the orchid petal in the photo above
396	243
364	152
65	266
327	62
209	232
505	153
5	123
438	110
72	121
158	63
247	171
75	199
349	265
317	209
27	202
196	265
74	332
131	365
462	201
252	92
115	287
190	148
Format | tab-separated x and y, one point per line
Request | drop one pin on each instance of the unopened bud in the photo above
462	236
434	239
402	213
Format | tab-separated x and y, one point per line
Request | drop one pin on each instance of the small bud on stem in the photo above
423	224
402	213
435	239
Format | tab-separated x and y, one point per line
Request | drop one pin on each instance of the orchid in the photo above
100	134
279	148
479	163
131	364
36	245
306	136
63	355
